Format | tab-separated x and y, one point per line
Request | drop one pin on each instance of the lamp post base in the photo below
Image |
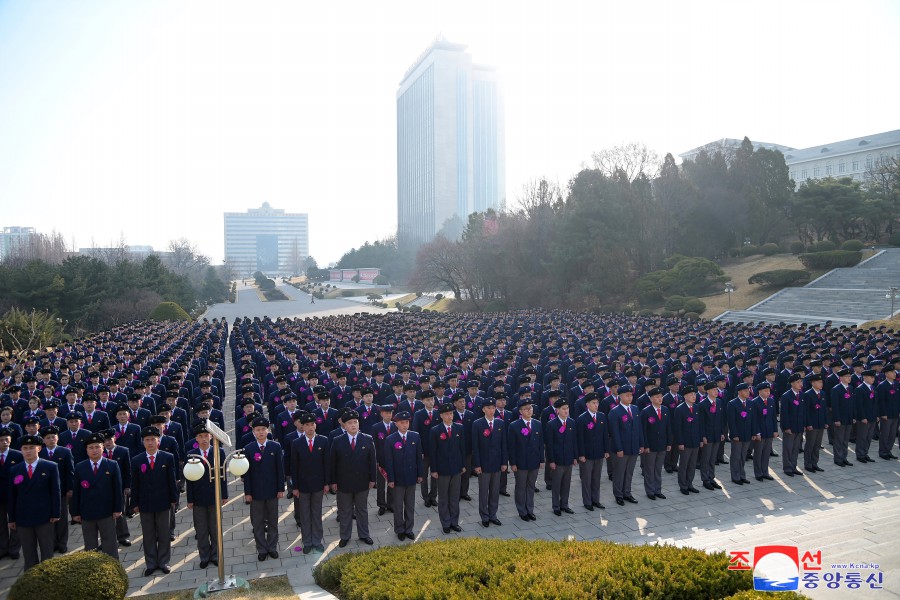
230	583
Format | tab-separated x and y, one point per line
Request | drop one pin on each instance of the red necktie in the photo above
204	454
658	413
353	443
528	425
691	408
106	453
95	468
490	426
30	471
152	462
310	445
90	418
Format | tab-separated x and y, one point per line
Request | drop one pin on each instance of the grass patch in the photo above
267	588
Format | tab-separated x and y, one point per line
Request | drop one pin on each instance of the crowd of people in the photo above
414	406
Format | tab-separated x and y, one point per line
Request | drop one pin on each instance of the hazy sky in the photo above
148	120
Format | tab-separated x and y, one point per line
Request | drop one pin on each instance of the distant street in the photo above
249	305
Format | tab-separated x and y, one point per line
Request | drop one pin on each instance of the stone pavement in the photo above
249	304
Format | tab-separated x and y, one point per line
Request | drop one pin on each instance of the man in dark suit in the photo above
97	498
122	457
888	400
489	459
310	455
657	425
687	435
591	436
765	429
526	457
423	421
136	413
201	497
264	487
127	434
740	428
34	502
841	404
448	456
154	492
792	410
9	538
66	466
464	417
353	468
712	428
627	443
94	420
865	411
405	467
562	449
815	421
384	497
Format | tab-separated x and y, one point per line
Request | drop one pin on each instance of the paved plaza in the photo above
850	514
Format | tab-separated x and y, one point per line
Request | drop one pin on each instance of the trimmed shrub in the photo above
694	305
749	250
266	284
645	313
823	246
667	314
852	245
675	303
797	248
769	249
831	259
691	316
894	240
516	569
348	293
754	595
438	296
169	311
496	306
780	277
734	252
380	280
275	295
75	576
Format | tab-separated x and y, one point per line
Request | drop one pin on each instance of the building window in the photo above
828	170
869	162
816	172
855	165
803	175
841	167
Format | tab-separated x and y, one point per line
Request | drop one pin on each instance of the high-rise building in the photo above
450	141
14	239
266	239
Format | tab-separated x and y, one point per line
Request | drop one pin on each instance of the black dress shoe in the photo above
891	455
724	461
568	511
446	530
148	572
631	499
496	521
685	492
126	542
589	506
456	528
308	549
367	541
651	496
791	474
693	490
524	517
819	469
390	509
166	569
800	473
746	481
770	478
341	544
840	464
262	556
204	564
14	555
381	511
773	453
548	486
708	486
808	470
558	513
761	478
171	538
600	506
536	490
668	470
215	562
485	523
504	494
273	554
620	502
531	517
466	497
847	463
738	481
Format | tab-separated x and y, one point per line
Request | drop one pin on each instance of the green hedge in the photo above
518	569
769	249
169	311
754	595
797	248
830	259
780	277
75	576
852	245
823	246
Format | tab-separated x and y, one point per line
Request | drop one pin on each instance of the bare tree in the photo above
440	265
50	248
537	196
632	160
185	258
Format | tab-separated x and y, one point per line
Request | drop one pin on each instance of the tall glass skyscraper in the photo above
266	239
450	150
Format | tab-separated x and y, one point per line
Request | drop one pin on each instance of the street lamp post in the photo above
194	470
892	294
729	287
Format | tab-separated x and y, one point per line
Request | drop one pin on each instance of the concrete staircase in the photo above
843	296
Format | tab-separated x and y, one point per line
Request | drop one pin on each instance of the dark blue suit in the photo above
154	492
405	467
32	502
448	459
66	465
309	476
130	438
626	436
591	436
526	454
353	469
262	483
201	496
561	447
95	499
75	443
764	422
